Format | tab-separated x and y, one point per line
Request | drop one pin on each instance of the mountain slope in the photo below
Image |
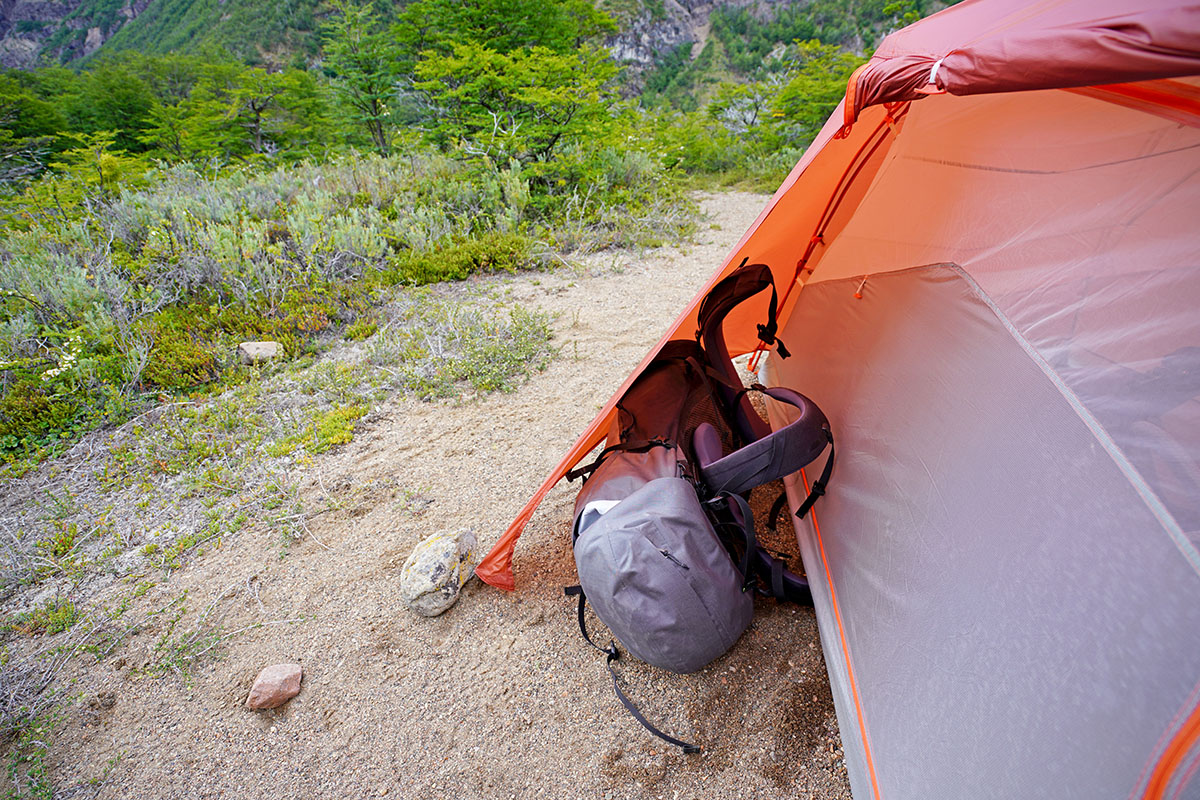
36	32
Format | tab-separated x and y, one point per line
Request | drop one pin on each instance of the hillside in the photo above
34	32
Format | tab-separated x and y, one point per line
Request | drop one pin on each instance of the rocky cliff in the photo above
653	33
39	31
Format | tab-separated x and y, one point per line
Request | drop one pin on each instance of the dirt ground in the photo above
499	697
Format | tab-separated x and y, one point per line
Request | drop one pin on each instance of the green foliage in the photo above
433	344
502	26
333	427
50	617
817	80
362	328
362	58
254	32
120	289
181	356
504	350
755	130
677	79
458	260
523	105
112	97
29	753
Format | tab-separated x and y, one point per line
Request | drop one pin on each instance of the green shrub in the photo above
456	261
52	616
333	427
27	408
180	358
433	344
362	328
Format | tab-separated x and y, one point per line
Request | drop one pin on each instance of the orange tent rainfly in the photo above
989	267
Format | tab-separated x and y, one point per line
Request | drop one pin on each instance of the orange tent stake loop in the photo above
850	113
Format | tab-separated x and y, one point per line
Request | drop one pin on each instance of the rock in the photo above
274	686
437	569
258	352
93	41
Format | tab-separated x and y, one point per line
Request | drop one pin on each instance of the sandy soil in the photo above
499	697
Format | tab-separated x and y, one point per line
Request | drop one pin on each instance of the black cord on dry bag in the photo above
622	447
613	654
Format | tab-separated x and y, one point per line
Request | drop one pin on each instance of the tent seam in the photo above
1152	501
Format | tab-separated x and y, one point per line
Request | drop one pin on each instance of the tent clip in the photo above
858	292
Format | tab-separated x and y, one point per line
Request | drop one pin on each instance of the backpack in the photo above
663	535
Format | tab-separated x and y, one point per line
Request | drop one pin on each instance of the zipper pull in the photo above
673	559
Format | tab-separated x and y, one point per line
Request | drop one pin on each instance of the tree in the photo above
523	104
363	63
29	131
113	97
740	107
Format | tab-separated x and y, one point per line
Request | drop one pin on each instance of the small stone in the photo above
258	352
274	686
437	569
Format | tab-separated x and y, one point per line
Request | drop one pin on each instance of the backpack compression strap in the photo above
621	447
612	654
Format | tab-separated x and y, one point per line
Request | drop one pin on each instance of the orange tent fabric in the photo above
1109	43
978	46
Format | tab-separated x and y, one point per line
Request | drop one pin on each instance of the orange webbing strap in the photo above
849	111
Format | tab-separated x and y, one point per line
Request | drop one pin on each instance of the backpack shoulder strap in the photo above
739	286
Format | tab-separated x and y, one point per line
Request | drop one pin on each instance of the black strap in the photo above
776	510
612	654
621	447
746	530
709	372
777	579
766	333
818	487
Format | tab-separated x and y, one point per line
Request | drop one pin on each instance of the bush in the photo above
159	280
458	260
433	343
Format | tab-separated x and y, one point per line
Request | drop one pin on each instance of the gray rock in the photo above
436	571
258	352
274	686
